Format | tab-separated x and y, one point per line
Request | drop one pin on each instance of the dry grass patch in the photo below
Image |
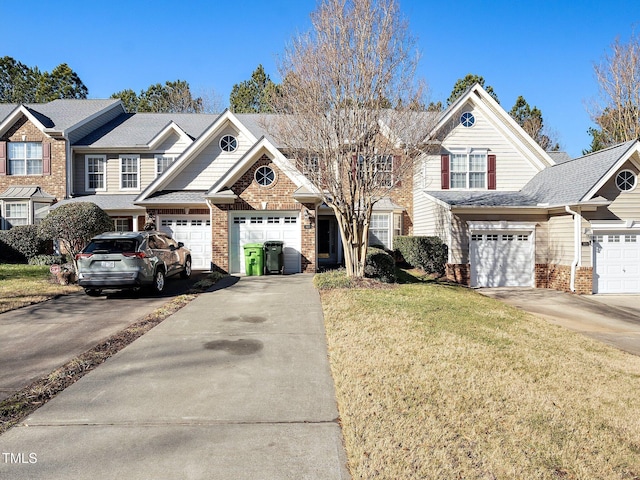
22	285
435	381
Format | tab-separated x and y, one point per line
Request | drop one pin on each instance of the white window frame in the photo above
382	224
121	160
468	154
120	222
9	220
161	157
24	159
102	159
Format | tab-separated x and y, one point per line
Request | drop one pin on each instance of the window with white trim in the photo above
468	170
121	224
163	162
129	172
379	230
95	172
397	224
25	158
311	165
16	214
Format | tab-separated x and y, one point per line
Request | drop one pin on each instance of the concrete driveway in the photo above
612	319
36	340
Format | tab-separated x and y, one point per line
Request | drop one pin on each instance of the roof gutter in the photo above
577	221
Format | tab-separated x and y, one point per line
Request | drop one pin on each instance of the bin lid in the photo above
271	243
253	245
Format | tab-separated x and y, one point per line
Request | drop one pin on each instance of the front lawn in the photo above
22	285
438	382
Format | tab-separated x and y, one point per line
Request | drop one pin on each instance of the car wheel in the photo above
158	281
93	292
186	273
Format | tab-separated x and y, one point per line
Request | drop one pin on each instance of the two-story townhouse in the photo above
35	151
514	215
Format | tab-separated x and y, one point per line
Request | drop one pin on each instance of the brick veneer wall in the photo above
53	184
458	273
558	277
251	196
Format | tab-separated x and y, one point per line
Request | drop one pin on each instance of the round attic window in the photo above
228	143
467	119
265	176
626	180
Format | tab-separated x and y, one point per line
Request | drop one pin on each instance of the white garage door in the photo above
195	232
258	227
616	263
502	259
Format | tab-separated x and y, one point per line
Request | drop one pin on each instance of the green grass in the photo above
437	381
22	285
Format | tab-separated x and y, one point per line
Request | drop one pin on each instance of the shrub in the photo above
46	260
427	253
381	265
74	224
332	279
21	243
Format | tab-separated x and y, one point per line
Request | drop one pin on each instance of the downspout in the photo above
576	246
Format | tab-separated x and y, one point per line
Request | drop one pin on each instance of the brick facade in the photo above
458	273
53	183
558	277
276	197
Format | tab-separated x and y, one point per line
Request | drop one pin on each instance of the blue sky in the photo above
543	50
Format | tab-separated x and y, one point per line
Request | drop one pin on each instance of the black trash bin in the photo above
274	256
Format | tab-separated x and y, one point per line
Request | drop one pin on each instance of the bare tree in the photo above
348	98
618	106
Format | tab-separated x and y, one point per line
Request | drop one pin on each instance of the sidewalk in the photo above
236	385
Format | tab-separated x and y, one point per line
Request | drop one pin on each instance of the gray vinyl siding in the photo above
147	173
513	170
95	123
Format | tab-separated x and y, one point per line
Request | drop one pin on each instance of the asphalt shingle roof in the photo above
140	128
569	182
60	114
104	201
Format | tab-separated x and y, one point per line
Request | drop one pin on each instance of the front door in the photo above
327	241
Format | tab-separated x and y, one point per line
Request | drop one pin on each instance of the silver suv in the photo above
131	260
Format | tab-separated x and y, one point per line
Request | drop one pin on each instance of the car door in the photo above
173	254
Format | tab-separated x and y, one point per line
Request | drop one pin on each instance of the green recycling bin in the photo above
253	259
274	256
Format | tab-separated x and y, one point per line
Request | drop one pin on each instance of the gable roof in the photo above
578	180
477	96
59	117
249	158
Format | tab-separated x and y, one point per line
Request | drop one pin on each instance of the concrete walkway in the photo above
611	319
236	385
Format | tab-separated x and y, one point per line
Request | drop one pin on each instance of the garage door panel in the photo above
195	233
616	260
259	227
501	259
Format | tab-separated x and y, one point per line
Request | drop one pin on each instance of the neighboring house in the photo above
514	215
35	145
216	183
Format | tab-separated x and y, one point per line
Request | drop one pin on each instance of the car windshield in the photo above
112	246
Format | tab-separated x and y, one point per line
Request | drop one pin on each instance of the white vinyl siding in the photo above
513	170
560	247
210	164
